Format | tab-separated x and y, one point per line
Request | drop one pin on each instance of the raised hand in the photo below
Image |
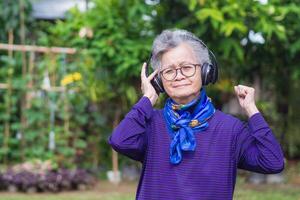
146	86
246	98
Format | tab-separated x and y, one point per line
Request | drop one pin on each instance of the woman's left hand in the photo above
246	99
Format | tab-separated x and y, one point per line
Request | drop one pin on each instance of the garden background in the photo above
67	80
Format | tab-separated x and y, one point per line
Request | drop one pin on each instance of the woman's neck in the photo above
186	100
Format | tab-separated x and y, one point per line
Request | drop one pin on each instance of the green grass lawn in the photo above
282	192
126	191
69	196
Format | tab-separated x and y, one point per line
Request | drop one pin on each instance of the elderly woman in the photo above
189	149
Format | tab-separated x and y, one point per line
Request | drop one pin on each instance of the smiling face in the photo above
182	89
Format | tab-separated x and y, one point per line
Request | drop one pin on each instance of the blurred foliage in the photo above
258	43
255	43
10	17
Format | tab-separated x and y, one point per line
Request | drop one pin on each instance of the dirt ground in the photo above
123	187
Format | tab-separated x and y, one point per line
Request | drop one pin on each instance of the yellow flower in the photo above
77	76
70	78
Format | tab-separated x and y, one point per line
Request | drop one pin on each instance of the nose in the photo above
179	75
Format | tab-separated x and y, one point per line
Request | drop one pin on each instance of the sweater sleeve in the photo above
129	137
257	148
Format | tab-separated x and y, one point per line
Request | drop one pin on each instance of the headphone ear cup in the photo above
156	81
206	70
157	84
214	68
214	74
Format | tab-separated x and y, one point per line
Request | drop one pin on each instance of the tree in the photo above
259	41
110	57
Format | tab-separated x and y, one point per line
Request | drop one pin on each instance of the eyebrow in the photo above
172	65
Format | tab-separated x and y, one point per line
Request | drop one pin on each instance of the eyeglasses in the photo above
187	70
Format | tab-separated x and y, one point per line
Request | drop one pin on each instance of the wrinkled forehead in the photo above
180	54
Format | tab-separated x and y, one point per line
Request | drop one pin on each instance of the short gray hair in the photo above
170	39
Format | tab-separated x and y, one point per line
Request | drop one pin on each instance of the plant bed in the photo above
51	181
31	178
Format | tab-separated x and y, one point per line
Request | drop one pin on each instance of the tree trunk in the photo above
115	162
24	70
8	102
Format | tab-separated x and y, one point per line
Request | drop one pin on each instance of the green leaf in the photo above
80	144
205	13
295	47
231	48
192	4
280	32
131	95
229	26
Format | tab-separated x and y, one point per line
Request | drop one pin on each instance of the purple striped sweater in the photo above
207	173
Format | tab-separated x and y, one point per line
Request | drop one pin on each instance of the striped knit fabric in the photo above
207	173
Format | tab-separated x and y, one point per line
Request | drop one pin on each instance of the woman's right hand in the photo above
146	86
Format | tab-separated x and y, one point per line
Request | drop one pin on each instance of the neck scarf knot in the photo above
184	120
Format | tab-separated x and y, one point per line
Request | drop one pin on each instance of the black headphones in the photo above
209	71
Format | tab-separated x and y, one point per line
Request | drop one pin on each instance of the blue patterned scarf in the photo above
184	120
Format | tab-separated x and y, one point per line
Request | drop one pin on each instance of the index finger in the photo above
244	87
143	71
151	76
